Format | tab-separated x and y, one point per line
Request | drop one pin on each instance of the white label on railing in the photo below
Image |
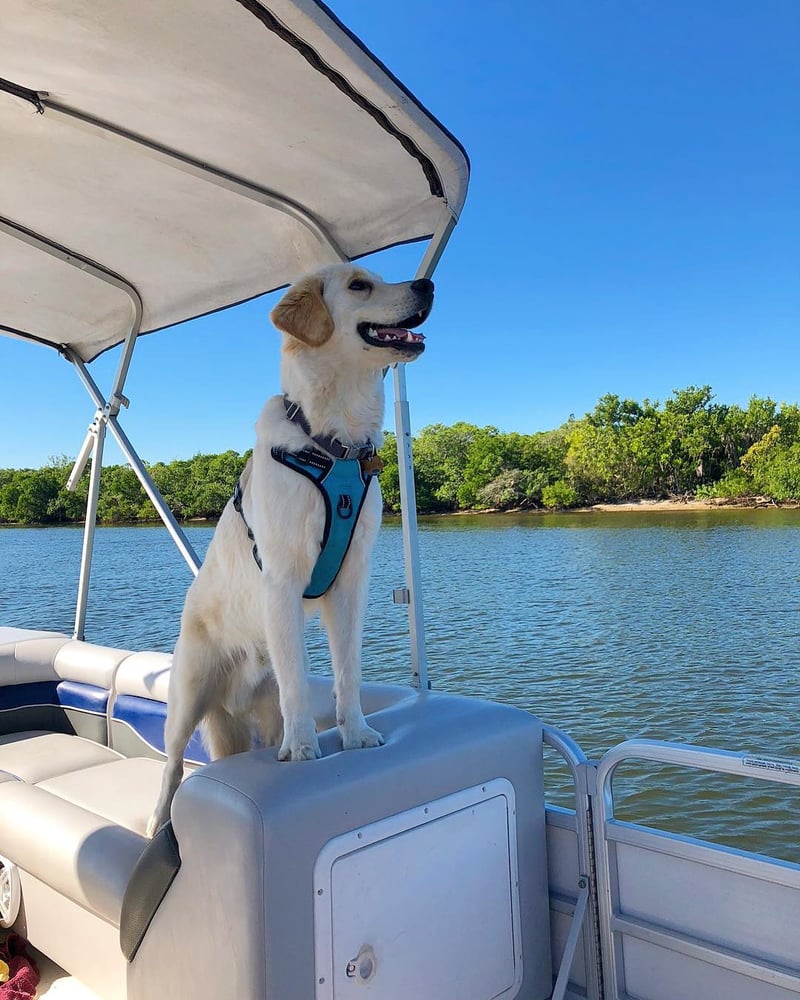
772	764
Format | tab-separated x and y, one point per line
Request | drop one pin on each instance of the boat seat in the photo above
51	683
81	831
36	755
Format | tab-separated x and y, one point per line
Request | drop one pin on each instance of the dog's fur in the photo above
240	661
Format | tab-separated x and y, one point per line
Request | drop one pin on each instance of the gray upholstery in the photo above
72	810
29	657
122	791
83	856
36	756
280	816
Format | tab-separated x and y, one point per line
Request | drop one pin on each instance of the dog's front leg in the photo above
283	621
342	614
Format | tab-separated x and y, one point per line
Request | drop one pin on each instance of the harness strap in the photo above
237	505
343	485
332	445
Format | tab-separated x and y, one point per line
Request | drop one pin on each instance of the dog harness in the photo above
343	482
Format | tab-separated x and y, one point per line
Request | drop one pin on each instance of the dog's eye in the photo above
358	285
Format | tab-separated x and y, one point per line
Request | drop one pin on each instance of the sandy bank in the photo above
751	503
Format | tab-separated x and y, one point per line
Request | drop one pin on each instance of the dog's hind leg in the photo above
225	734
267	712
193	679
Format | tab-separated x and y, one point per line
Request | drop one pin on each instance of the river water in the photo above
675	626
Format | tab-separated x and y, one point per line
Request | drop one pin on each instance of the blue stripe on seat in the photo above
147	718
23	695
59	694
87	697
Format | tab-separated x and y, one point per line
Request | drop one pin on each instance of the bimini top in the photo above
165	159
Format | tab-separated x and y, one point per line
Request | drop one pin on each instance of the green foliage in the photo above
390	477
559	495
624	449
199	487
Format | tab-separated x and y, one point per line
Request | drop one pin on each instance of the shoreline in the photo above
671	505
631	506
717	503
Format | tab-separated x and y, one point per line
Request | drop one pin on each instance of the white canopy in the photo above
172	158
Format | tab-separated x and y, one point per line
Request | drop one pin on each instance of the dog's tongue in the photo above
396	333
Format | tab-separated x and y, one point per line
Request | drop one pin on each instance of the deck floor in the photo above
56	984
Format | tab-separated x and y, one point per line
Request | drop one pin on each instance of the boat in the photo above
158	166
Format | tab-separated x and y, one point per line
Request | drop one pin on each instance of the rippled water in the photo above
680	626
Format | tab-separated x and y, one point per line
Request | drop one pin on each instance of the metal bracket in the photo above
102	416
578	917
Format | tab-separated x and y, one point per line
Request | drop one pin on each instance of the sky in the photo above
632	226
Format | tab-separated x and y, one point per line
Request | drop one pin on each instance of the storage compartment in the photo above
424	904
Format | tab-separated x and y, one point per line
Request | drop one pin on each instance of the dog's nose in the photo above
424	285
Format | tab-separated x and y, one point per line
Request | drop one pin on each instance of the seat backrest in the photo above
51	682
138	709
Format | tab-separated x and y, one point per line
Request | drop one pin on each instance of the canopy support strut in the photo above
107	416
408	496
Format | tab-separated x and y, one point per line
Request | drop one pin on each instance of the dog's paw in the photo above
363	736
154	824
306	749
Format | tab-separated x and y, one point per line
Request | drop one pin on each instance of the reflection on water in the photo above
678	626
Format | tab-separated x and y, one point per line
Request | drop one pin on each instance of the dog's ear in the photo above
303	314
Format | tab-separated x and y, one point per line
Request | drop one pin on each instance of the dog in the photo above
240	662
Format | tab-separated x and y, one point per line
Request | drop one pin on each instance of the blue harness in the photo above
343	484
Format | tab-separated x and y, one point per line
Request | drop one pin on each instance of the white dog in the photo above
242	624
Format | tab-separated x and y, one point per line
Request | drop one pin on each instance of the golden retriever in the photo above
240	661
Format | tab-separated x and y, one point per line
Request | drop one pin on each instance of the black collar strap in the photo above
332	445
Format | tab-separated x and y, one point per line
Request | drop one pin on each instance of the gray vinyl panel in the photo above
127	741
280	816
55	719
709	921
653	973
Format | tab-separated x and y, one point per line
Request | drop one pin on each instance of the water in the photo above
680	626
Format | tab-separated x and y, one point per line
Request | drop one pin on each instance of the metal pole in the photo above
98	432
408	496
193	561
177	534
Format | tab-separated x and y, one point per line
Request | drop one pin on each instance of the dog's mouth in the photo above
399	337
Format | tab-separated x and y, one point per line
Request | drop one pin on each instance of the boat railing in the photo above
627	899
576	903
665	900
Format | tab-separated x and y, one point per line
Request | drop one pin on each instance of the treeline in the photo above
689	446
194	488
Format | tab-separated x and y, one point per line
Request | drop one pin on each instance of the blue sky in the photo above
632	227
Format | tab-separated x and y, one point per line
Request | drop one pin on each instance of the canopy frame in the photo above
169	222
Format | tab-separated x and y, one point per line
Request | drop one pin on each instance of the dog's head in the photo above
352	310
